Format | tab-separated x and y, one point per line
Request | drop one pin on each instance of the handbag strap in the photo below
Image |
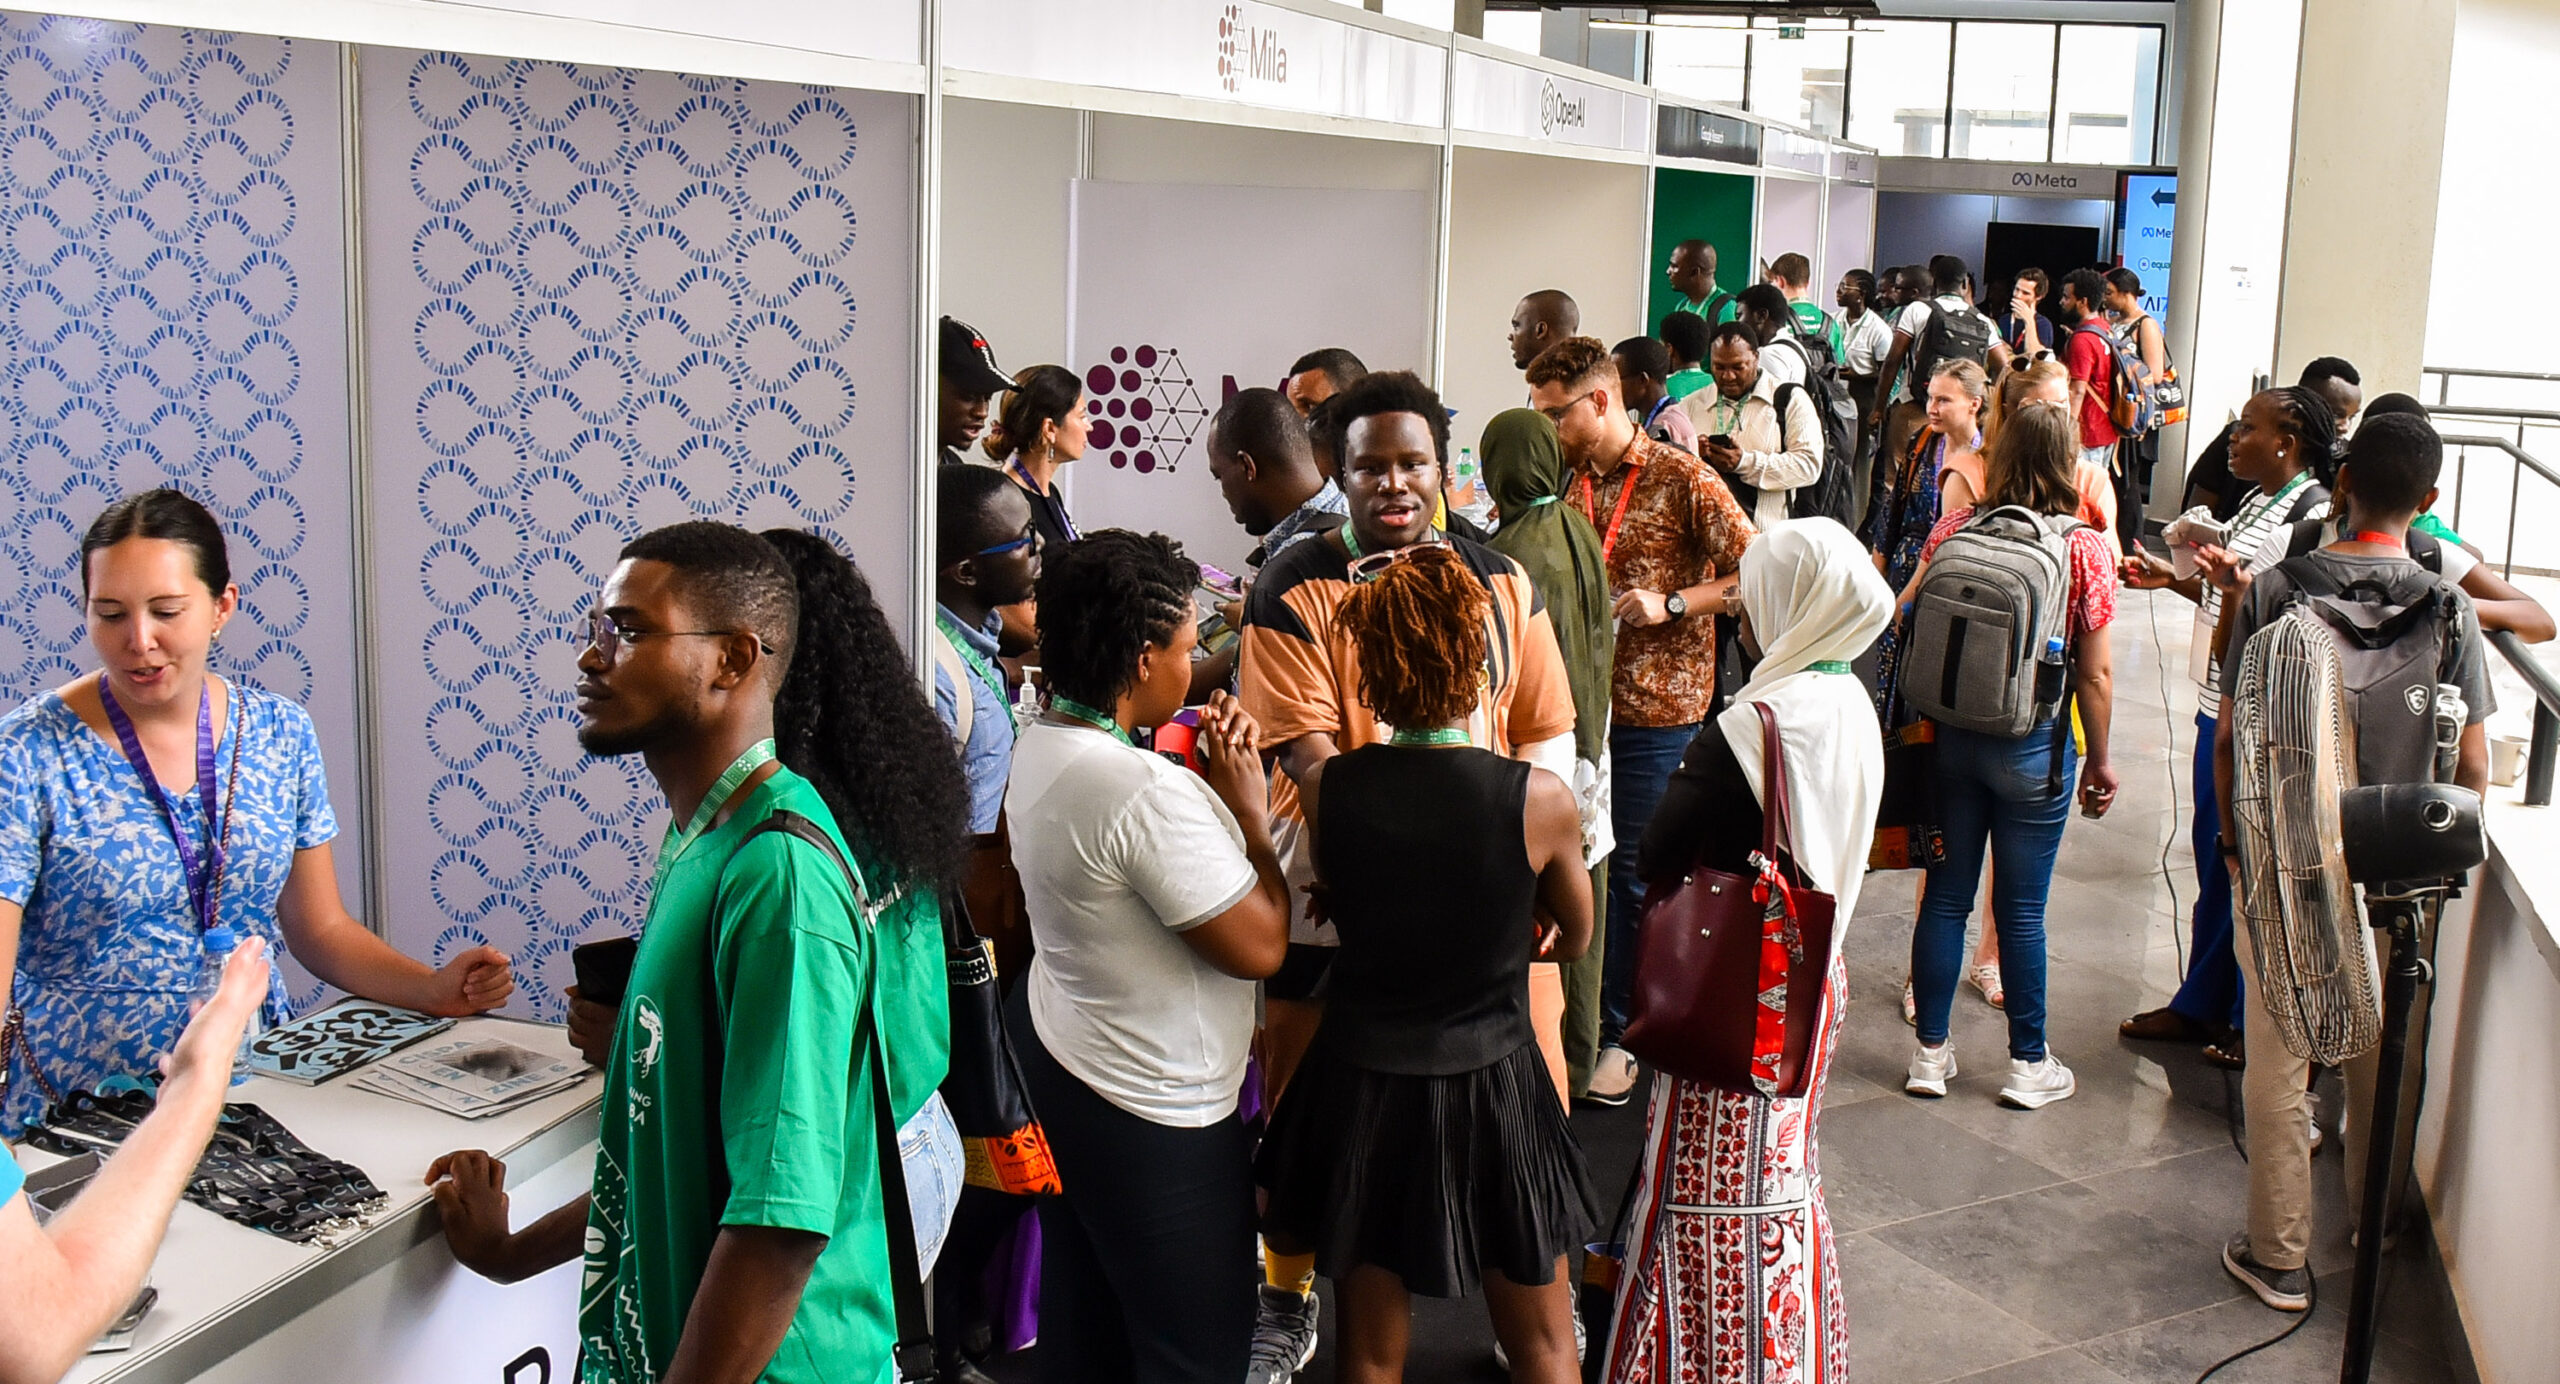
1776	829
913	1352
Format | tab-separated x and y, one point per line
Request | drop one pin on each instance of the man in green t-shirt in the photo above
1793	274
1692	273
735	1225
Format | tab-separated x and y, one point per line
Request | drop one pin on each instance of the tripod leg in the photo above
2399	994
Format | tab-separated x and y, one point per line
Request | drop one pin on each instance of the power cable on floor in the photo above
2169	722
2313	1284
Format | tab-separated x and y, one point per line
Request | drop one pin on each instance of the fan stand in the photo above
2393	908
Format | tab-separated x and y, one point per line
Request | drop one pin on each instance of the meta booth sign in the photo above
2146	225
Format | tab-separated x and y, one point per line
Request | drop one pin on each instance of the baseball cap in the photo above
968	362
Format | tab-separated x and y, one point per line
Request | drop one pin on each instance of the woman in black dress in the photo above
1421	1147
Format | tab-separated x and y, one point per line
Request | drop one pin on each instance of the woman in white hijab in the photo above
1730	1274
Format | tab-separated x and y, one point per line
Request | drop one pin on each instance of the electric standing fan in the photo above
2304	838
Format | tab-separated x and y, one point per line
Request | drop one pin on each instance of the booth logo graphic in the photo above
1147	408
1556	110
1245	51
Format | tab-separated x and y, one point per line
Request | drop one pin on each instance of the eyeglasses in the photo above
607	636
1556	414
1030	539
1371	566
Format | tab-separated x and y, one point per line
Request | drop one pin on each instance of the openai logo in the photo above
1230	31
1146	408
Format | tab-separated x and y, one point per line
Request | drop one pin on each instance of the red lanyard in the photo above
2382	540
1618	515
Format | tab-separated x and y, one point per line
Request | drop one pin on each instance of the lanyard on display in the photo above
978	664
1827	665
204	874
678	842
1066	525
1617	515
1078	712
2382	540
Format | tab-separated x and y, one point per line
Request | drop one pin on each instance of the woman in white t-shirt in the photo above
1156	903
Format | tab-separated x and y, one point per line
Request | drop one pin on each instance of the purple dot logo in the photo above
1230	23
1158	402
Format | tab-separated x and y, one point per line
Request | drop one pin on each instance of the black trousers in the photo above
1147	1269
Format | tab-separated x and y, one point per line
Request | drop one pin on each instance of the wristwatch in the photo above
1675	605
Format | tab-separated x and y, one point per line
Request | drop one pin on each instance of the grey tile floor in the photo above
2073	1245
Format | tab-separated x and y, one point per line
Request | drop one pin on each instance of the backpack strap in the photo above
913	1351
2304	501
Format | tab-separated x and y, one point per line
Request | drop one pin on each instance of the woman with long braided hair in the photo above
1421	1147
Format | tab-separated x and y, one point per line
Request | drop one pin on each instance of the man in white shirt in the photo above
1865	336
1765	310
1761	449
1899	409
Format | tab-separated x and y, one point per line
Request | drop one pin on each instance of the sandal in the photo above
2164	1025
2230	1053
1986	978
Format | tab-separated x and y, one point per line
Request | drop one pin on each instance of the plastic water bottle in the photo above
219	942
2049	673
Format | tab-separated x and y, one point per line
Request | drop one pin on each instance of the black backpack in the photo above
2395	638
2311	535
1952	334
1829	495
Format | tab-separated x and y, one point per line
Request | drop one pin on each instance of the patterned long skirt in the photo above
1731	1275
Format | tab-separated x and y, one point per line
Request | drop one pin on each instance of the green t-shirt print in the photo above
739	1092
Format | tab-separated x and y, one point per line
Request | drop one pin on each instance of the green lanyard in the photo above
677	843
1445	735
1351	541
1828	665
978	664
1075	710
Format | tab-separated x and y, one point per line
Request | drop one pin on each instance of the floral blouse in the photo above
109	947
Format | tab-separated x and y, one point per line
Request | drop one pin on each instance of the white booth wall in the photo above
1523	222
1198	252
1848	236
1790	221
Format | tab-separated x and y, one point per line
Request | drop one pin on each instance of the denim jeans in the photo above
1641	759
1993	791
2211	993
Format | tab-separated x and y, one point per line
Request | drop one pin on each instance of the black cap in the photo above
968	362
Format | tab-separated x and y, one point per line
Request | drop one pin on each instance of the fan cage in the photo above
2316	973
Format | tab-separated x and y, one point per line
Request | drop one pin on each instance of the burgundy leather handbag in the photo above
1730	968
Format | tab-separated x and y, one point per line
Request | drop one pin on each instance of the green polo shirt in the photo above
739	1092
1724	310
1684	383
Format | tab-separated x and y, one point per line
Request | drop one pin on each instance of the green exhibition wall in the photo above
1713	207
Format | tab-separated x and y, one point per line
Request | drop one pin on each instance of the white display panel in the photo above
1790	221
888	30
599	301
1848	237
172	298
1175	289
1492	96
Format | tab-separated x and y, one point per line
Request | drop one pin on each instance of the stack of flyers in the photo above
338	1039
471	1077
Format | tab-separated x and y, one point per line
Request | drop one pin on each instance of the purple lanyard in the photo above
1047	497
204	876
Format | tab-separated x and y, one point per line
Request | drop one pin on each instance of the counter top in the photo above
223	1286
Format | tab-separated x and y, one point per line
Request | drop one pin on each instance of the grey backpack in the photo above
1986	646
2395	638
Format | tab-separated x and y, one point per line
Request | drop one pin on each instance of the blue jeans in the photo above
1641	759
1993	791
2211	994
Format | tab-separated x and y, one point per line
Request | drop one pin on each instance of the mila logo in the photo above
1555	110
1248	53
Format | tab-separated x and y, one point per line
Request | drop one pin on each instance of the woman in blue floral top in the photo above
109	880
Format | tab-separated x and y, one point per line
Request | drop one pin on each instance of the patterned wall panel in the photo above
172	312
598	301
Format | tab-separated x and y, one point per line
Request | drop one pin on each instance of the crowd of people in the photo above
1317	901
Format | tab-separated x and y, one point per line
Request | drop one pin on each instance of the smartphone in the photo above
604	968
1721	439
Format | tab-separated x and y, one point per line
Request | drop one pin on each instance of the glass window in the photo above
1518	30
2107	104
1700	57
1800	70
1898	86
2003	92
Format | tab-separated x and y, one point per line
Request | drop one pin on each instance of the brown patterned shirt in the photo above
1680	527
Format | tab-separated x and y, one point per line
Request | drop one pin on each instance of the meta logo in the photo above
2156	233
2028	177
1556	109
1245	51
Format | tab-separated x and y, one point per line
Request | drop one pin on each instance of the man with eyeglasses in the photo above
1301	683
990	556
1672	538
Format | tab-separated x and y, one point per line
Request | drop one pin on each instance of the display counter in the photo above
386	1304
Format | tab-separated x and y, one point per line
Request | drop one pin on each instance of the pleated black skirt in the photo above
1437	1179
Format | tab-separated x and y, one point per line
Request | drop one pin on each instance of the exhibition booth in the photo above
438	306
2005	216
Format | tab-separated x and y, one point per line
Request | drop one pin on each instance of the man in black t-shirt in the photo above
970	381
2209	481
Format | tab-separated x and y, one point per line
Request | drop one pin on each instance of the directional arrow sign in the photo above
2163	197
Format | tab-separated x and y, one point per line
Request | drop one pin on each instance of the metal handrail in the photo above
2525	461
2466	372
2544	751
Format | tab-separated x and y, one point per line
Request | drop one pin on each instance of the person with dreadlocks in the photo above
1421	1146
2283	444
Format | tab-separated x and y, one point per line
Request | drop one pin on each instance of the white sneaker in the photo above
1613	1077
2035	1085
1930	1069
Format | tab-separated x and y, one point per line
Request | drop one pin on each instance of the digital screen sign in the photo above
2146	224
